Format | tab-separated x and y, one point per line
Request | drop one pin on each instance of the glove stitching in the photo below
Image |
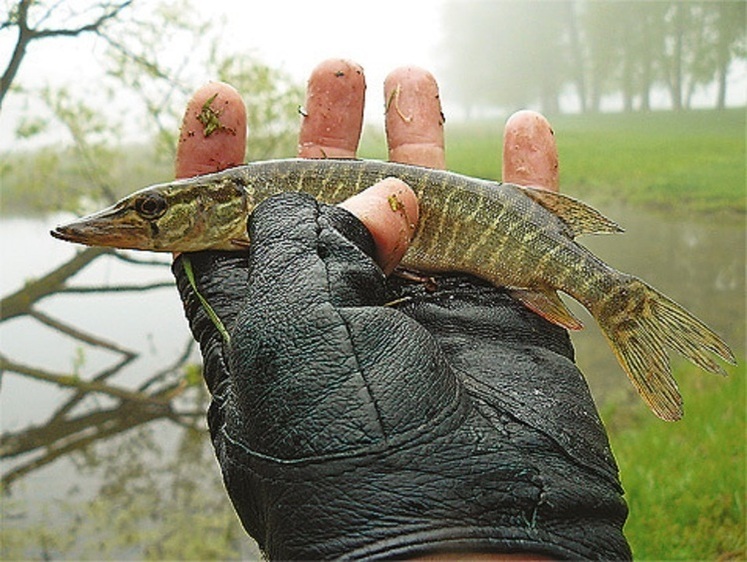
447	421
364	378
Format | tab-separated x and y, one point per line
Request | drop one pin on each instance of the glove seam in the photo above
450	417
478	388
361	372
319	219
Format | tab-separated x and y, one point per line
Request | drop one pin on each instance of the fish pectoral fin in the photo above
547	303
579	217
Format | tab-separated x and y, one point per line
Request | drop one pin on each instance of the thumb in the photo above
389	209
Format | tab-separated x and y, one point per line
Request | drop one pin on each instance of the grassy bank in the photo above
685	481
688	161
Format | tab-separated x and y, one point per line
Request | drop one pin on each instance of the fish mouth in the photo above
71	233
80	235
92	232
67	234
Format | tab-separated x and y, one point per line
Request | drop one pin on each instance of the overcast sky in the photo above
292	35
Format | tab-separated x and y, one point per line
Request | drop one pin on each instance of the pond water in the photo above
143	493
116	499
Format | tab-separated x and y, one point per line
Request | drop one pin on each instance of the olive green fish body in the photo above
482	227
517	237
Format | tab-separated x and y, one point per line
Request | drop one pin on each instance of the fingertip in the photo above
332	117
389	209
213	133
530	152
413	117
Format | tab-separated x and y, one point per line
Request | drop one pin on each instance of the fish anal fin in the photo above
547	303
579	217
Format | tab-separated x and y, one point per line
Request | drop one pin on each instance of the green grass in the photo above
692	160
687	161
685	481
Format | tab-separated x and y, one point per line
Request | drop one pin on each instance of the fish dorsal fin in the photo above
546	302
579	217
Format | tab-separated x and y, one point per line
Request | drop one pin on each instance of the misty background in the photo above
490	57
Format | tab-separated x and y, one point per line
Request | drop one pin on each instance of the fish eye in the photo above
151	206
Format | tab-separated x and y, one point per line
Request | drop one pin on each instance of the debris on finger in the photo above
414	119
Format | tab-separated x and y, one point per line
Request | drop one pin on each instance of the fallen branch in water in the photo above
73	381
69	428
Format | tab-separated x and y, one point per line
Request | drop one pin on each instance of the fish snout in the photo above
98	231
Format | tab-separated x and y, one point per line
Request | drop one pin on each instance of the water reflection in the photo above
143	491
94	475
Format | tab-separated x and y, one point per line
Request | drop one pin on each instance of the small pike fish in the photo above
516	237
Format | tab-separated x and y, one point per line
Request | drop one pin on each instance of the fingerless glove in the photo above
356	417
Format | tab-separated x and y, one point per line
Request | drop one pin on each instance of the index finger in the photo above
213	133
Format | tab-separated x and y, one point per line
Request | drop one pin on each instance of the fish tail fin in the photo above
640	323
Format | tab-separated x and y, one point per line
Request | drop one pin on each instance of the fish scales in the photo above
513	236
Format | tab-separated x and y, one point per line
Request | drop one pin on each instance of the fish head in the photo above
208	212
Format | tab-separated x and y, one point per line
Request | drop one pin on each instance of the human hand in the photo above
456	422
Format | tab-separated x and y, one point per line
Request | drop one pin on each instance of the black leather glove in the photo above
452	420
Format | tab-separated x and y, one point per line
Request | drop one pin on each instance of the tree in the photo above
604	43
507	54
722	39
730	44
702	39
635	46
577	53
624	41
28	18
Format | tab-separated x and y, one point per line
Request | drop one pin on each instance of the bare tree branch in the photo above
60	440
93	27
159	376
118	288
20	302
13	444
80	394
27	34
72	381
149	65
78	334
49	12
